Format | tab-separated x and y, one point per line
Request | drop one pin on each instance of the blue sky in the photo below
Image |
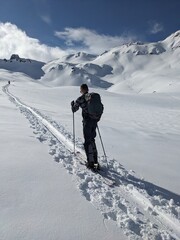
65	23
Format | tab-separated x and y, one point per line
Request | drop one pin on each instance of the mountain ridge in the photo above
135	67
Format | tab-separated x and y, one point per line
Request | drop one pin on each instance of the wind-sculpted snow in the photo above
143	210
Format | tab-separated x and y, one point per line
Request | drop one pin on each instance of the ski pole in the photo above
105	156
74	132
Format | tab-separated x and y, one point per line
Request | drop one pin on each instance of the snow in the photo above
79	57
145	129
31	68
173	41
38	199
130	68
47	193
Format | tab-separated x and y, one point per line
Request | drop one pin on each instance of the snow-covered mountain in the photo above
134	67
131	68
30	67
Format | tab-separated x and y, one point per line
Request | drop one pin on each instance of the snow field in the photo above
139	131
38	199
128	204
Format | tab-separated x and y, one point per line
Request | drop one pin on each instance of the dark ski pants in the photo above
89	131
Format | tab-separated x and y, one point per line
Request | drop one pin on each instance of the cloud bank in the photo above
91	40
14	40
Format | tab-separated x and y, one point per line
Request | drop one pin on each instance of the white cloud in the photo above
91	40
46	19
14	40
155	27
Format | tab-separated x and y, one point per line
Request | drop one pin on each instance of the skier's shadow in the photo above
150	188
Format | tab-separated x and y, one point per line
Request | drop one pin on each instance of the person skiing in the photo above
89	128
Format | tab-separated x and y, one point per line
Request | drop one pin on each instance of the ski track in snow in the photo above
142	209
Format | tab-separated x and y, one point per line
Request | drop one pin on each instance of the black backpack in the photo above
94	105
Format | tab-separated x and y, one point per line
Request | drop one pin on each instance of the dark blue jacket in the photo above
81	102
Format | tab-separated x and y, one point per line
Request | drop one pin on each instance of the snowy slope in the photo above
133	68
32	68
38	199
145	67
134	136
173	41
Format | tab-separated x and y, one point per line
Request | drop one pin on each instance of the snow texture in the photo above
43	199
130	68
140	208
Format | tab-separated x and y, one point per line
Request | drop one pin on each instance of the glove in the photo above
72	106
72	103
